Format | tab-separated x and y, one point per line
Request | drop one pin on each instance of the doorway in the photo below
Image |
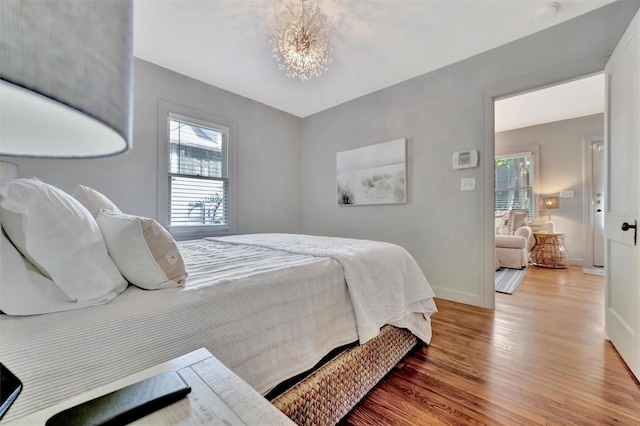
554	125
594	189
548	78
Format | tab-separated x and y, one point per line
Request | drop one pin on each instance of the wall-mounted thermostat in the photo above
465	159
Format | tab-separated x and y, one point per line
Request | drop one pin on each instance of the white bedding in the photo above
385	283
264	333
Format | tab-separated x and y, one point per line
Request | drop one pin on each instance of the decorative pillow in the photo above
93	201
61	238
500	223
502	230
518	218
23	289
144	251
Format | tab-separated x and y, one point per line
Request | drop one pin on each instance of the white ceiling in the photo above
561	102
378	42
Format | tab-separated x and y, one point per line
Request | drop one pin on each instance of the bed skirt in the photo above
330	392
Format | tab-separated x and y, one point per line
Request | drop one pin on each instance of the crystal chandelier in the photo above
302	40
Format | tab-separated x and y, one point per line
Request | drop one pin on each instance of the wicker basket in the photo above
329	393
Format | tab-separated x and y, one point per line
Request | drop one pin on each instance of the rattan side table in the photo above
549	251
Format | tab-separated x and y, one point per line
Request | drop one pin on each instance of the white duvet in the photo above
385	283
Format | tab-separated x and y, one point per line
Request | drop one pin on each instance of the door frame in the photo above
587	185
547	78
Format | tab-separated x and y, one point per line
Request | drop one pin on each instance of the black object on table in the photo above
10	387
127	404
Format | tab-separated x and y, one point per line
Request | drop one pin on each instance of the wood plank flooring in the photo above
541	358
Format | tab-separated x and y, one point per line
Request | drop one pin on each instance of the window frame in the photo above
534	151
166	112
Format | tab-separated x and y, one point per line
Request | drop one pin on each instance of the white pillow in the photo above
61	238
93	201
23	289
144	251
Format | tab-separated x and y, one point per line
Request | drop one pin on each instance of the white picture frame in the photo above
373	174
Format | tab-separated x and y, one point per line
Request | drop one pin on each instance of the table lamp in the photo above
66	77
549	203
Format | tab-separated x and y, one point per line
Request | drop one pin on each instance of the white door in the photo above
622	205
597	206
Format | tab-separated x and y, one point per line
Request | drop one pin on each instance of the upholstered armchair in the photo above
514	240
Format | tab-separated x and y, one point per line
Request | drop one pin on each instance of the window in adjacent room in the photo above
198	175
514	183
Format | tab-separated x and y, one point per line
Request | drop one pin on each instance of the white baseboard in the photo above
458	296
576	261
593	270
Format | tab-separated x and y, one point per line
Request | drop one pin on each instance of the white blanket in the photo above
385	283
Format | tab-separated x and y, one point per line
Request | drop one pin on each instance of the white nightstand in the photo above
217	396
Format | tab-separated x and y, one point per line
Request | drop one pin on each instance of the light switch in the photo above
566	194
468	184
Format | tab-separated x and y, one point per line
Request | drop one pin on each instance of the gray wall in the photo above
561	166
439	113
268	186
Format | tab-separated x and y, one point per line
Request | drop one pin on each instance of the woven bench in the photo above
330	392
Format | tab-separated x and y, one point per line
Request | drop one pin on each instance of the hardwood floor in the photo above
541	358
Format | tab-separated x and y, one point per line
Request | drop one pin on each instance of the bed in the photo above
269	306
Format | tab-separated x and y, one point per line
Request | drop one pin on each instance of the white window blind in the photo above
513	183
198	174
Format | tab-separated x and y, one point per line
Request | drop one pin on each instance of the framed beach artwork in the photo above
373	174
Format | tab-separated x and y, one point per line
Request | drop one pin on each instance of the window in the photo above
198	174
514	183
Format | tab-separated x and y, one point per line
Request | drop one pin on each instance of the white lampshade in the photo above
66	72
